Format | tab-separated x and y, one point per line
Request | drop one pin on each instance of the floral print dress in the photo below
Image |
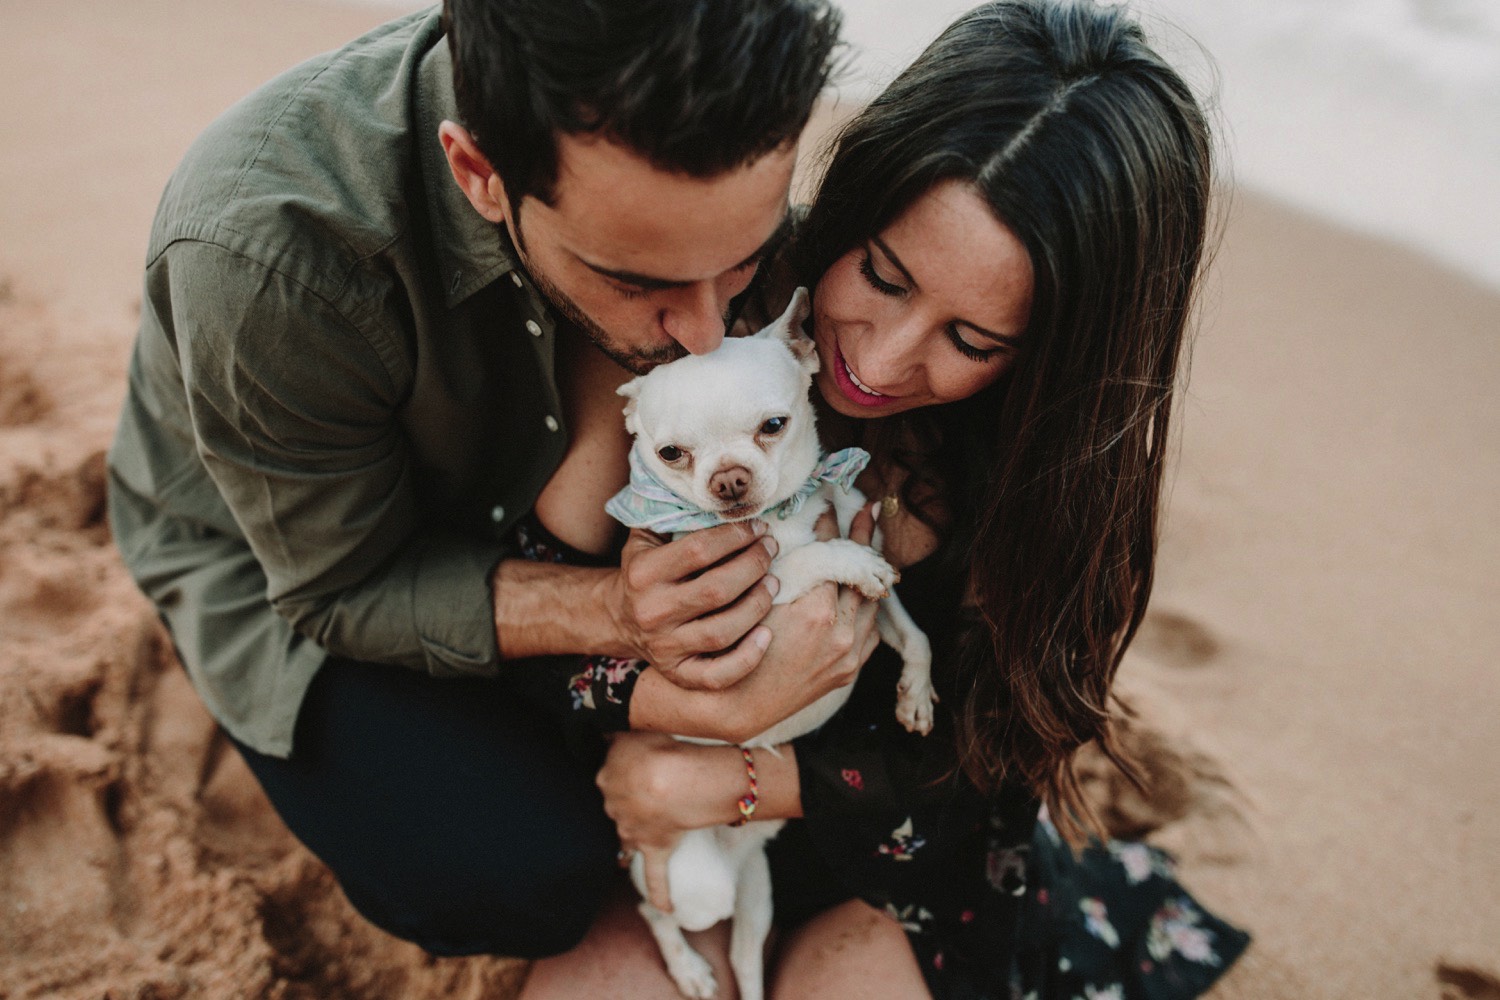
994	903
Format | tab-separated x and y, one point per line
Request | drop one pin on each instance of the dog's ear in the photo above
631	391
806	353
788	328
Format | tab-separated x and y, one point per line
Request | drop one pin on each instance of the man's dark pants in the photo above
452	812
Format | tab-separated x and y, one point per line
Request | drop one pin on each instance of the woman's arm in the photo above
654	784
656	788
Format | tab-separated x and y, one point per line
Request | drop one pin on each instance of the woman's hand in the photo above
818	643
656	788
654	793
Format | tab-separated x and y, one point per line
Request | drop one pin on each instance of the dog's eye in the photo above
773	426
669	453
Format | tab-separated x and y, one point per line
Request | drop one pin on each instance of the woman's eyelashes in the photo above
968	350
867	268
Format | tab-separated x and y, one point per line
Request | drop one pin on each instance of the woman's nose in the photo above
888	355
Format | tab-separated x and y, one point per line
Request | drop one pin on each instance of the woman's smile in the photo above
852	387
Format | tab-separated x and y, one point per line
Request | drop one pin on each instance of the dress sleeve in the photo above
587	695
863	774
293	410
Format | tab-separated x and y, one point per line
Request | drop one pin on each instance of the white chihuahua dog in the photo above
725	437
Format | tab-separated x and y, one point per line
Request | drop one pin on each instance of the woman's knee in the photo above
849	950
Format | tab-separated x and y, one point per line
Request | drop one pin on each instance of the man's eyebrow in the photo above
647	283
1008	340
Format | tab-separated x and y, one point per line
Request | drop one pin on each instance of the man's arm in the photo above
292	409
689	608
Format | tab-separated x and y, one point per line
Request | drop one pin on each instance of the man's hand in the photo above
819	642
691	608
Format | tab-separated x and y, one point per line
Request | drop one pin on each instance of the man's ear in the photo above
473	173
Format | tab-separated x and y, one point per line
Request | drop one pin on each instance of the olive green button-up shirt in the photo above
342	394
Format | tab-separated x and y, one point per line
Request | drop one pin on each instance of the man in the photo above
367	287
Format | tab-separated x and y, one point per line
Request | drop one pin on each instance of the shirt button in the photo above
532	328
551	422
497	513
515	279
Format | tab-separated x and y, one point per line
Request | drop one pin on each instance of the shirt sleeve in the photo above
294	412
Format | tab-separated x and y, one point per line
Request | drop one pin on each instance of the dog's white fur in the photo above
714	409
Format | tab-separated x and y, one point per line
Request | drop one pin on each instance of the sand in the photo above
1323	635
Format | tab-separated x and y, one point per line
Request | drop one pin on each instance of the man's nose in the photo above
694	317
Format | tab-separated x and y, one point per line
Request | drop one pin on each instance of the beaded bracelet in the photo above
749	802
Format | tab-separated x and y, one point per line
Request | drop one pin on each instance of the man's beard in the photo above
638	361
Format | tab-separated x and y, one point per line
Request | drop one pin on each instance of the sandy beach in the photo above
1323	634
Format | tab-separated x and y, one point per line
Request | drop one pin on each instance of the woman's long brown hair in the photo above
1096	155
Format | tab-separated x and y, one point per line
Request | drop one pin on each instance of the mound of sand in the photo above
138	858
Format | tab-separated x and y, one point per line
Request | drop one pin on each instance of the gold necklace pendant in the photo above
890	506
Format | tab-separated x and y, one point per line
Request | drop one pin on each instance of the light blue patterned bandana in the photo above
649	503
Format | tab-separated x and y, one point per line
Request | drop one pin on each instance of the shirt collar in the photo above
471	250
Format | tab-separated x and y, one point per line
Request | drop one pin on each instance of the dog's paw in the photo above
692	974
872	576
914	700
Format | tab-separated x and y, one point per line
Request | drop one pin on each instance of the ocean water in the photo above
1382	115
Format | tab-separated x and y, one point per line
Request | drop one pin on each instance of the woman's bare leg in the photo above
618	959
851	950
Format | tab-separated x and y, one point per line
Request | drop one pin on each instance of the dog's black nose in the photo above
731	483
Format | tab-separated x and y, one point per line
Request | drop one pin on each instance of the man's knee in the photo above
524	908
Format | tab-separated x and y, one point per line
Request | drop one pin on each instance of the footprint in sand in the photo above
70	499
22	400
1177	640
1465	982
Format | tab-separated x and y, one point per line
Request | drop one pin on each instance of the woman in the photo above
1003	254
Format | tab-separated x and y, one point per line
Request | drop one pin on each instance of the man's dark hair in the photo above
693	86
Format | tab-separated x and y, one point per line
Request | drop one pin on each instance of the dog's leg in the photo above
752	922
839	560
914	693
689	970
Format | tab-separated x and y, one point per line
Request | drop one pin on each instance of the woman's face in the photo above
928	311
